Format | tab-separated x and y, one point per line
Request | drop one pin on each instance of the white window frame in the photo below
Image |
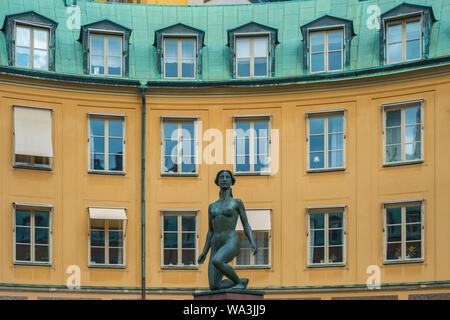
32	208
179	120
252	119
403	204
179	213
325	211
251	38
32	28
326	51
179	56
403	22
106	37
402	106
325	115
107	117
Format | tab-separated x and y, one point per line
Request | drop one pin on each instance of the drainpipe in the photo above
144	89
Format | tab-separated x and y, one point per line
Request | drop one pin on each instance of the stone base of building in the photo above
229	294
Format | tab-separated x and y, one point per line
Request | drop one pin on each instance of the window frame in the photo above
179	120
252	38
179	55
326	51
403	204
403	21
32	28
326	114
107	118
179	213
251	119
106	246
403	106
106	36
32	207
325	210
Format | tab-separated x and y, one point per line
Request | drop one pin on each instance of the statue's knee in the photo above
216	262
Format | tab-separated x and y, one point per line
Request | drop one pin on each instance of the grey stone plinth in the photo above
229	294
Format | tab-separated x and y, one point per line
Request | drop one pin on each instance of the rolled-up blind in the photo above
258	219
107	213
33	132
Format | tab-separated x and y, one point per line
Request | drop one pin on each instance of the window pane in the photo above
260	47
413	134
114	46
242	146
262	257
395	52
188	148
97	45
22	235
22	218
115	128
97	255
243	48
170	148
413	231
393	136
335	40
23	57
116	256
316	125
23	252
335	254
335	220
188	164
98	145
393	153
114	66
171	48
170	130
317	62
97	127
98	161
187	69
393	251
261	163
242	163
394	215
412	115
243	66
171	69
317	238
115	145
317	42
260	67
243	259
41	253
187	130
40	39
413	30
242	129
412	49
413	151
22	37
97	65
316	143
41	218
97	238
261	128
170	257
335	142
187	48
188	240
115	238
395	33
335	237
170	164
335	159
188	223
261	146
335	60
335	124
413	214
394	233
414	250
316	160
170	223
41	236
40	59
170	240
188	257
261	239
318	255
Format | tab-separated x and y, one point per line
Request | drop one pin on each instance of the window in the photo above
179	145
33	146
326	52
179	243
404	40
32	233
326	140
106	55
403	133
252	144
107	228
252	50
252	57
179	58
30	39
403	231
105	49
106	143
259	220
326	236
179	49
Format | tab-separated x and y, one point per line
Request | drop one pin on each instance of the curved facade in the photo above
116	118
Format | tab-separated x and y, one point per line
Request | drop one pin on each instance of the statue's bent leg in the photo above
220	262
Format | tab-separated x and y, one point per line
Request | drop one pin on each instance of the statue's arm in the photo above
207	245
246	225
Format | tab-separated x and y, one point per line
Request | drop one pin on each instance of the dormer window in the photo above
326	44
105	49
31	41
405	33
252	50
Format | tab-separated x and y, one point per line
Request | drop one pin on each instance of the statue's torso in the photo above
224	215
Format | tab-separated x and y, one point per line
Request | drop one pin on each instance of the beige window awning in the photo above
33	131
258	219
107	213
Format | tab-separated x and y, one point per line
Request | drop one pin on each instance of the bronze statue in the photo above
222	237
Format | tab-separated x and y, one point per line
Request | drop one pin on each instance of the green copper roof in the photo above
286	17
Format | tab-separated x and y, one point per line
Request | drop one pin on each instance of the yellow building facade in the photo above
362	189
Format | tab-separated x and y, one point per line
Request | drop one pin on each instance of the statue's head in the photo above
225	178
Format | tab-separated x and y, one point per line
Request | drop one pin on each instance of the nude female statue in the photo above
222	238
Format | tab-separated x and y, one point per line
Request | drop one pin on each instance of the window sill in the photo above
20	263
404	163
252	267
326	265
108	173
324	170
106	266
251	173
403	261
19	166
179	174
179	267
